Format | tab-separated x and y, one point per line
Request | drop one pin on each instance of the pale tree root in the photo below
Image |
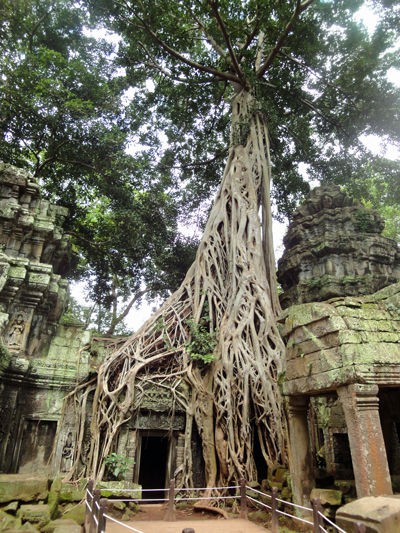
229	292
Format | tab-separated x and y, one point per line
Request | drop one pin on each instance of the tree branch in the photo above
35	28
117	319
177	55
232	55
220	51
153	64
300	7
317	75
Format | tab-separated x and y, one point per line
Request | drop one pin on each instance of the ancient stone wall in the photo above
343	348
334	247
40	359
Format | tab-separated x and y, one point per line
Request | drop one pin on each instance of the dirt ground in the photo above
219	525
150	519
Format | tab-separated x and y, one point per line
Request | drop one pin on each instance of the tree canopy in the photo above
322	83
73	103
63	116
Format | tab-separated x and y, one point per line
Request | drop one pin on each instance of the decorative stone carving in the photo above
67	454
39	359
15	335
334	247
343	343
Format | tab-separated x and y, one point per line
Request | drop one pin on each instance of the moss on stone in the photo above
71	492
22	488
60	522
331	497
121	489
74	512
54	496
8	522
38	514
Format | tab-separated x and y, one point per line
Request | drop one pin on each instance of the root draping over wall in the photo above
227	298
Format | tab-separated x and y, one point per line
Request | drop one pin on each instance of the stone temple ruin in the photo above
343	346
44	354
341	324
40	356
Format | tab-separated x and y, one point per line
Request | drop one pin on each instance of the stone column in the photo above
368	453
301	470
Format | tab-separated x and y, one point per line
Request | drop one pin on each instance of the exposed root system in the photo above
228	300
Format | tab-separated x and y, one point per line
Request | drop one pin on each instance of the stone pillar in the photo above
301	470
368	453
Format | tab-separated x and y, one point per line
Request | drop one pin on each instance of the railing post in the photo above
274	508
101	526
89	505
316	507
243	498
96	511
361	527
170	512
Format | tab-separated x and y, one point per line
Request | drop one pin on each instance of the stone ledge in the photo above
380	514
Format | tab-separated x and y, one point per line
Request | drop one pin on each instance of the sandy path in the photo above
236	525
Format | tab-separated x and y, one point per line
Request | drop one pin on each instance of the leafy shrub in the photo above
117	465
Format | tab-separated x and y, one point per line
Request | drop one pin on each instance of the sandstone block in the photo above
118	506
22	487
380	514
60	523
75	512
72	493
12	507
8	522
68	529
120	489
35	514
327	496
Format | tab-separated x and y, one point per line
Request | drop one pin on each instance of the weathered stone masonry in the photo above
40	359
43	355
343	354
343	348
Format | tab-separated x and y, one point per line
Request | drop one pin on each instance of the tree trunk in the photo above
230	291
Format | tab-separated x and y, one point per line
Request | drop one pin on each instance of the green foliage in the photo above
64	116
76	313
391	215
325	86
202	341
117	465
71	105
365	220
380	192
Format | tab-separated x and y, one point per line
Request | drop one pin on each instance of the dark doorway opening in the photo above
153	465
342	456
261	465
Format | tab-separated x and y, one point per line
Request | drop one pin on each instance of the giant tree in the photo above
274	87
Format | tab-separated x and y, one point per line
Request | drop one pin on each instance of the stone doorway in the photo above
390	420
35	446
154	462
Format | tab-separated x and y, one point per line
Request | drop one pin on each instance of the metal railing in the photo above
97	516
